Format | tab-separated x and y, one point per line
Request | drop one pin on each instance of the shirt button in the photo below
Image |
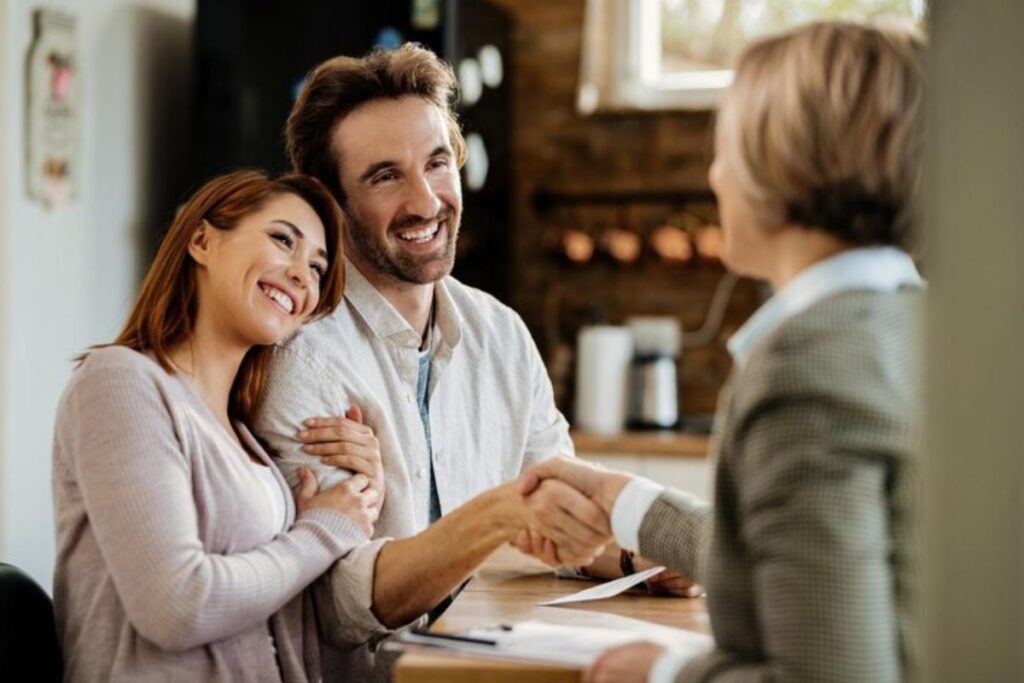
421	472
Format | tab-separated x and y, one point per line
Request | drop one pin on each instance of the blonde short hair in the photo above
821	126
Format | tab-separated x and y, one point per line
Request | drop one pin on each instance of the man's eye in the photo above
284	238
384	177
439	163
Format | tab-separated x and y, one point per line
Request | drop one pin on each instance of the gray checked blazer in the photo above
804	555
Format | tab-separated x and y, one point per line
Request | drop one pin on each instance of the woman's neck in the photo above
797	249
211	363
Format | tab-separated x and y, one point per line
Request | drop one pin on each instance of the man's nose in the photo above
423	200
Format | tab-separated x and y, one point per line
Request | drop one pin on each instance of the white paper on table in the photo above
558	644
608	589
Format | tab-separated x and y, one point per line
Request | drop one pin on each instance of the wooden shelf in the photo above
643	443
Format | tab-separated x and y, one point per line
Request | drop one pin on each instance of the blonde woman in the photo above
804	554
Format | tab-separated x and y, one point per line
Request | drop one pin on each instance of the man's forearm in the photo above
414	574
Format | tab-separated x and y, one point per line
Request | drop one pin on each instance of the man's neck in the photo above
412	301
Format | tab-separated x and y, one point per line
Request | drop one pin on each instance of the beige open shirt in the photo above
491	414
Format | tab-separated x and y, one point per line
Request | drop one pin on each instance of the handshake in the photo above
566	520
567	510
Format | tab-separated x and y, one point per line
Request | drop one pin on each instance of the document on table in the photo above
608	589
554	643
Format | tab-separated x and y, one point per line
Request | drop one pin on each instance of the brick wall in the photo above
556	149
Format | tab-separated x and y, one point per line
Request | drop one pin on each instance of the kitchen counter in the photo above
672	458
675	444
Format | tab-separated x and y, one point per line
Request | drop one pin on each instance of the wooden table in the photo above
506	589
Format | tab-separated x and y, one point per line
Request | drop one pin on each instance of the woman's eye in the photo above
319	270
284	238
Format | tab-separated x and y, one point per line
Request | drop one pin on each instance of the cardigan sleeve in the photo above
136	484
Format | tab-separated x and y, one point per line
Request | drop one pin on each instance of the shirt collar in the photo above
388	323
880	269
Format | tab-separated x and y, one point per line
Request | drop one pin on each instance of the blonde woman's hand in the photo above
353	498
347	443
624	664
667	582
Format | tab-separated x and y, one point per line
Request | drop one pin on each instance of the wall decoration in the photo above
53	110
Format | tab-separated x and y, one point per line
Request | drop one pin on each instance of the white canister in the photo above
603	355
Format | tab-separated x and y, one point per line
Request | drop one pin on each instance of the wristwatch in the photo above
626	562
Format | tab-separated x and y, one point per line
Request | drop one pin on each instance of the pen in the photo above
461	639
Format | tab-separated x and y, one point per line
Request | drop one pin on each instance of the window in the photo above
676	54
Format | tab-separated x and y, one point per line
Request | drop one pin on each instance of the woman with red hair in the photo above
181	554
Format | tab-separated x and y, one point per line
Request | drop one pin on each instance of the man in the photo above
447	377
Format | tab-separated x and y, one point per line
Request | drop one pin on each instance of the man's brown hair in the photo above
341	85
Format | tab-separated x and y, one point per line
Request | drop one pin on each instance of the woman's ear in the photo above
199	243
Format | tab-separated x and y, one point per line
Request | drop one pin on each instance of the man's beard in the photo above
402	267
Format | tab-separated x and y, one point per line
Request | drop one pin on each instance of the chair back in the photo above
29	649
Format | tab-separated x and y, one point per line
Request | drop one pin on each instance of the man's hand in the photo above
575	529
454	546
626	664
566	476
530	542
347	443
597	483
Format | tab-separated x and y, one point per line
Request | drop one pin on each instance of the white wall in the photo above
68	276
5	39
973	560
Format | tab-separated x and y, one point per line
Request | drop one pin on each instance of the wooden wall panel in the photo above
555	148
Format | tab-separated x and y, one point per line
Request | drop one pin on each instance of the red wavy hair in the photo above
164	313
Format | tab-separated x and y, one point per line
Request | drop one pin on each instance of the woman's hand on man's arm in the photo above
346	443
353	498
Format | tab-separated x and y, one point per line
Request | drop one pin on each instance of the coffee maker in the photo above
653	391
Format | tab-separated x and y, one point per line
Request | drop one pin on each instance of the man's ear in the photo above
199	243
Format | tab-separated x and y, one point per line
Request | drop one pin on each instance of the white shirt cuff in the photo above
667	666
629	510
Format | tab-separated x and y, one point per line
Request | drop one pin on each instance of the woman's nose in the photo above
299	273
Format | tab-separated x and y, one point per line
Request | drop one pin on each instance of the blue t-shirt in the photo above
422	386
